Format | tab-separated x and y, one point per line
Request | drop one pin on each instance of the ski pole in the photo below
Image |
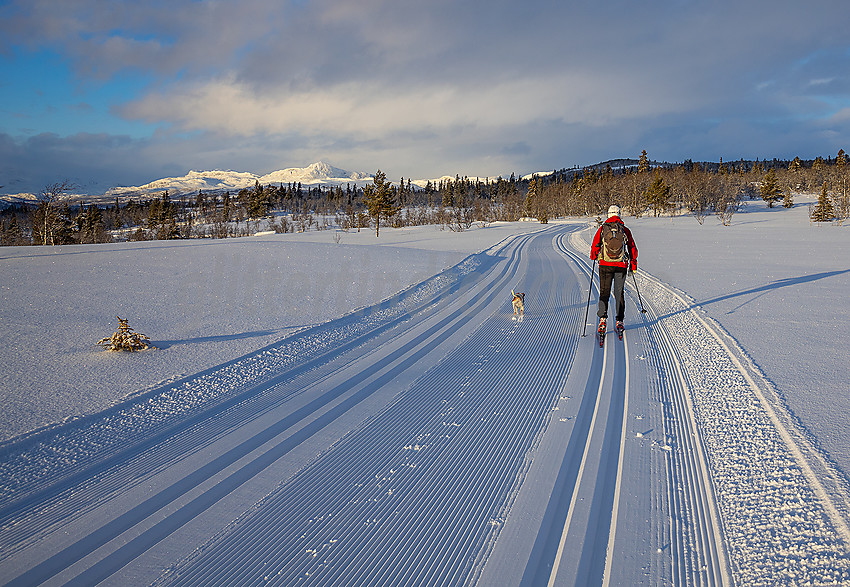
642	309
589	289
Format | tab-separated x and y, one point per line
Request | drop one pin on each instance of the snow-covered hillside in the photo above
366	411
318	173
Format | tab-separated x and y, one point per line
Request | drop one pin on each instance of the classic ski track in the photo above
695	531
696	534
417	492
80	493
595	532
401	552
599	442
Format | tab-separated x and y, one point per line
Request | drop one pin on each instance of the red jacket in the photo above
632	248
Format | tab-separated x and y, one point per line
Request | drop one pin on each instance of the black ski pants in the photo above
608	277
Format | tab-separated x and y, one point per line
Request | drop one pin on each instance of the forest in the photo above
640	186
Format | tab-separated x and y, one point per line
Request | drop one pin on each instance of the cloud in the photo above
375	67
373	108
841	117
449	86
94	162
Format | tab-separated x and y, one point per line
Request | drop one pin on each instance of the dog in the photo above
519	304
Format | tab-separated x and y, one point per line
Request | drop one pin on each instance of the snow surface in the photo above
204	302
710	446
779	285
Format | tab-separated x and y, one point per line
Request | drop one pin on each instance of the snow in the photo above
716	431
203	302
319	173
778	285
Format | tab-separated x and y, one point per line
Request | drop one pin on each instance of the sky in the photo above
108	92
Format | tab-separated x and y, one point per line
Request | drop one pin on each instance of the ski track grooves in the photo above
86	489
391	453
696	540
436	491
695	534
590	465
696	537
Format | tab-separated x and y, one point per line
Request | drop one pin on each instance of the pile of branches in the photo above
125	339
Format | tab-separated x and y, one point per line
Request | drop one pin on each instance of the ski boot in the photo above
620	329
600	332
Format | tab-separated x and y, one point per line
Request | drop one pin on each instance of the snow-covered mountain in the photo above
22	198
319	173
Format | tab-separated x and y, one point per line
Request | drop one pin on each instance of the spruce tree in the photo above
657	194
167	227
90	225
125	339
770	190
788	200
823	210
643	162
379	200
531	198
258	202
10	232
795	165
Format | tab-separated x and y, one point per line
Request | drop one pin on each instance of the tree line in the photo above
640	186
643	187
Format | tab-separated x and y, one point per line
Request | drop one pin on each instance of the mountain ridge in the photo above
319	173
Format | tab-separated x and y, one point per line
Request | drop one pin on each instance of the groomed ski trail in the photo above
753	501
617	505
392	454
429	440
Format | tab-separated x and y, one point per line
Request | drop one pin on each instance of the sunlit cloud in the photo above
428	88
372	109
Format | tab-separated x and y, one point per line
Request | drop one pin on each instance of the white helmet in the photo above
613	210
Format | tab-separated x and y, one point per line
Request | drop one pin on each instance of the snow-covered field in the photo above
205	302
366	412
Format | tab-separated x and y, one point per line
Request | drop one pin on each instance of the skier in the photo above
614	248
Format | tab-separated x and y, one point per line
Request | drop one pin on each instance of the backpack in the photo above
613	240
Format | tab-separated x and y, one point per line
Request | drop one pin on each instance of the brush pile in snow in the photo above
125	339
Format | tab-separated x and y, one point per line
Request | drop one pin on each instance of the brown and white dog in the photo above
519	304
